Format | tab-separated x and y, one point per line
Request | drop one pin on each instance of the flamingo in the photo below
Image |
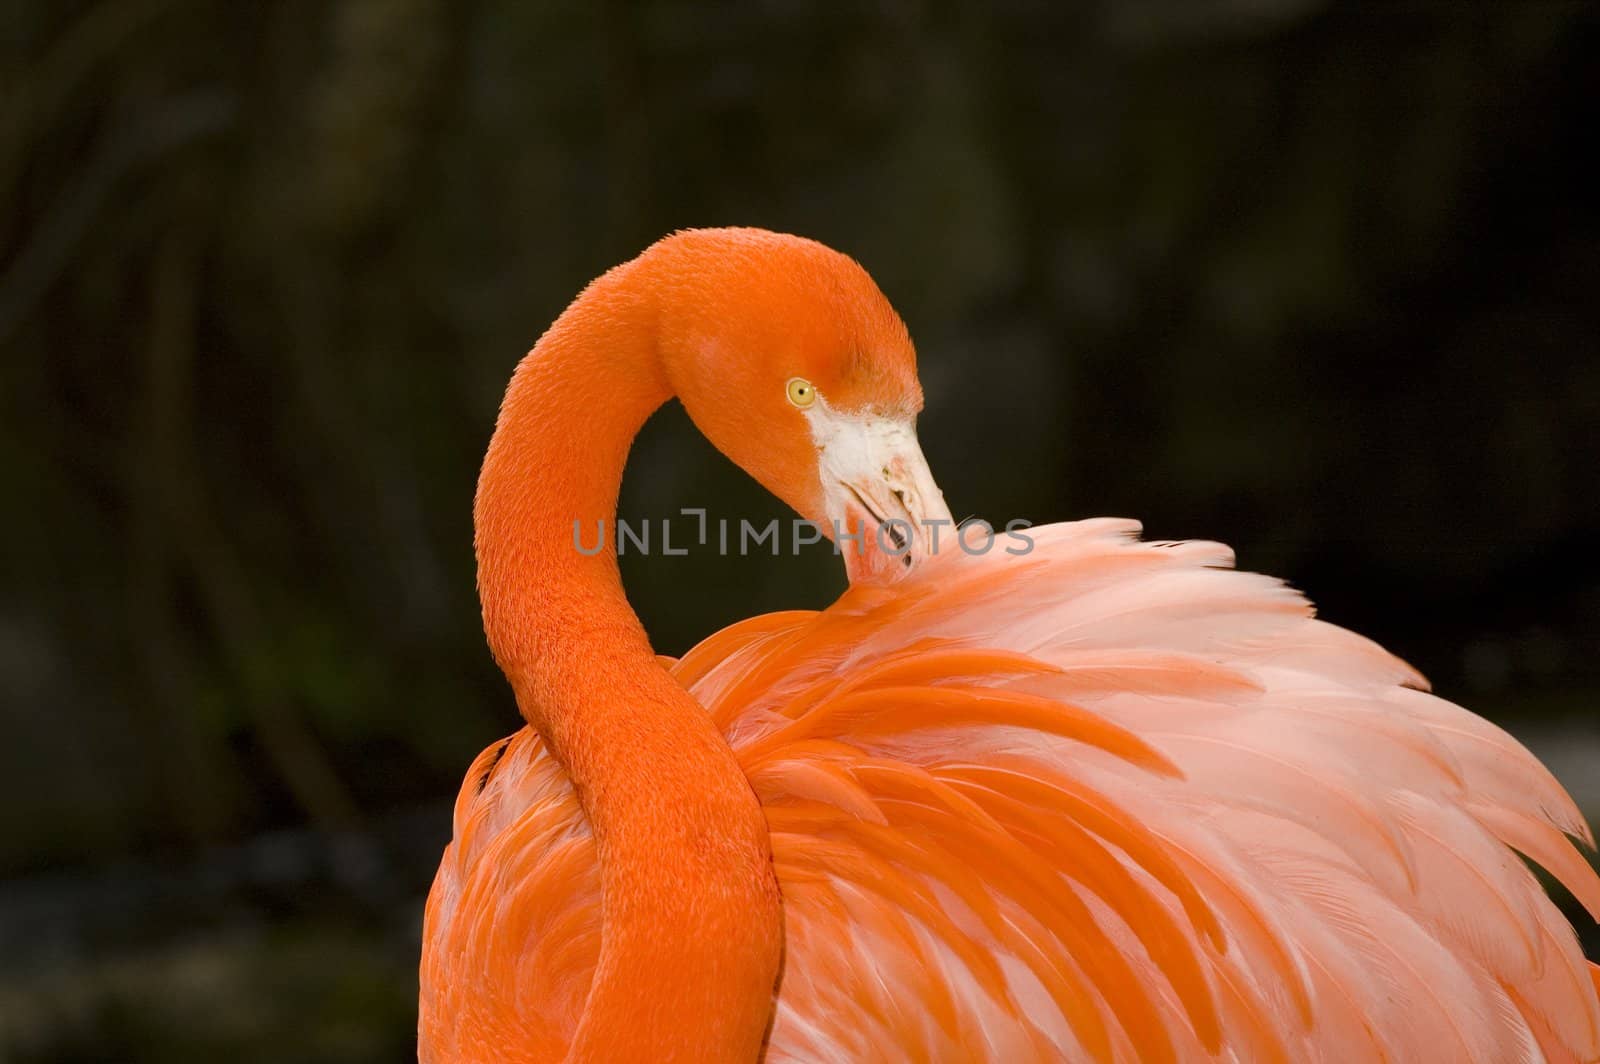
1103	799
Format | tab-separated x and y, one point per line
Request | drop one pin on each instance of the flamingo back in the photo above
1107	800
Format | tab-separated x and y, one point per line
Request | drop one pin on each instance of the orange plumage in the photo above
1106	800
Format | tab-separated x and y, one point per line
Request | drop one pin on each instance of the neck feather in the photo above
692	928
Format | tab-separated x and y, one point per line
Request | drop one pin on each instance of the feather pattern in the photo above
1111	800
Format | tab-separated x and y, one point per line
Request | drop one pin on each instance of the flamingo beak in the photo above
886	513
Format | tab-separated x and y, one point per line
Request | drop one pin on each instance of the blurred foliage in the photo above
1317	279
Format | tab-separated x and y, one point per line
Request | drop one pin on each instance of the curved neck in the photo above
692	929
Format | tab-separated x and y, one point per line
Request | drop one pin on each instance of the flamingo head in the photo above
793	364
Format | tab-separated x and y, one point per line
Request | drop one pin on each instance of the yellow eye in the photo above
801	393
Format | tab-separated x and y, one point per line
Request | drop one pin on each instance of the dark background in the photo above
1320	280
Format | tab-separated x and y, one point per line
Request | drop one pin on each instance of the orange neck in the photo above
692	926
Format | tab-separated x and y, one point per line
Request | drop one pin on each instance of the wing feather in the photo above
1111	800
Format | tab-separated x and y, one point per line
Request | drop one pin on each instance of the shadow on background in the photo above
1318	283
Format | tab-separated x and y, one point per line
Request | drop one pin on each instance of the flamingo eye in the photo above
801	392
